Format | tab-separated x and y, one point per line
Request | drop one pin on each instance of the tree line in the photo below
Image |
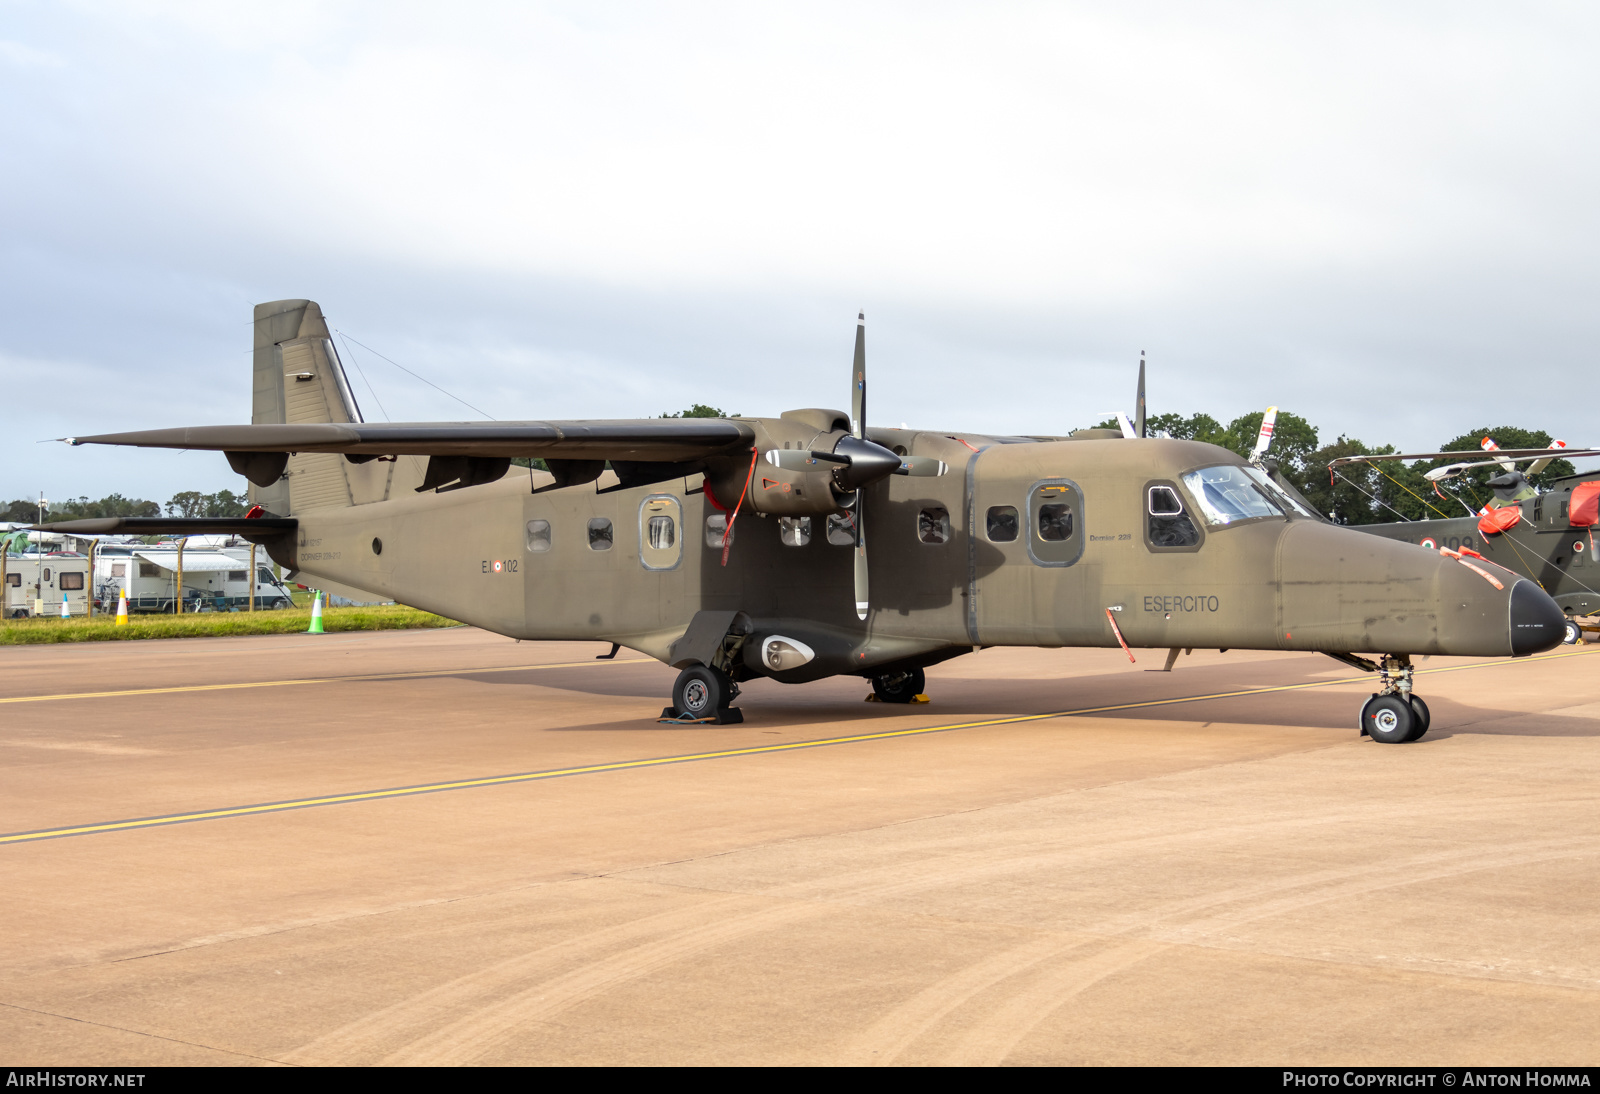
185	503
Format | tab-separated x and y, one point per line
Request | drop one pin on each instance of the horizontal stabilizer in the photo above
252	528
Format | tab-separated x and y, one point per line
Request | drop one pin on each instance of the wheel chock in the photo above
921	699
873	698
731	716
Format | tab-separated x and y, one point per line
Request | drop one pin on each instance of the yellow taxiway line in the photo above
326	680
721	754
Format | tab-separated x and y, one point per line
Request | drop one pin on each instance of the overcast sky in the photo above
1381	217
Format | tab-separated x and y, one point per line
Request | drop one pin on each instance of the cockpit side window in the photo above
1168	525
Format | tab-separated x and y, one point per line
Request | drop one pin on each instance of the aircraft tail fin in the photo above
298	378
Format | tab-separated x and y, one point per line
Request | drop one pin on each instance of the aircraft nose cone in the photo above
1537	623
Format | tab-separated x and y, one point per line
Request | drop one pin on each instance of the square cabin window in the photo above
1002	523
717	530
14	580
119	569
600	535
71	581
841	530
794	531
538	536
149	569
235	575
933	524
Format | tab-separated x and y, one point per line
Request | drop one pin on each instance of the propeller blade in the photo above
1138	402
798	459
791	459
861	566
921	467
858	380
1264	438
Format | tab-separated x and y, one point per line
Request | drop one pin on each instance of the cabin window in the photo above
933	524
71	581
14	579
1002	523
149	569
842	529
1055	510
794	531
1055	522
1166	523
660	541
538	536
717	531
119	569
47	573
235	575
600	535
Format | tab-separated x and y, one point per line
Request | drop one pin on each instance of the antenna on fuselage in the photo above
1138	402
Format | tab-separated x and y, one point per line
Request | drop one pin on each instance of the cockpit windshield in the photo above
1228	494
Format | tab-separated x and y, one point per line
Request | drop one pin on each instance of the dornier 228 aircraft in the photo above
812	544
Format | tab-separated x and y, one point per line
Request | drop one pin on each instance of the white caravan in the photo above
212	581
36	583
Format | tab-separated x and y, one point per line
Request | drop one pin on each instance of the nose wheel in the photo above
1394	715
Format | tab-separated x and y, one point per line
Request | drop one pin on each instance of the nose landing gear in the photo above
1394	715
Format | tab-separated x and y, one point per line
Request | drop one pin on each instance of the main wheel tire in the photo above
1572	633
701	691
899	687
1419	711
1388	719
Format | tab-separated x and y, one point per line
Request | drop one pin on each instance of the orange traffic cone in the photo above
122	609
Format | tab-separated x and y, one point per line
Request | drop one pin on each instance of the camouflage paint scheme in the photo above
468	551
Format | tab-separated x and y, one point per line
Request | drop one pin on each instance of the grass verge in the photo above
103	628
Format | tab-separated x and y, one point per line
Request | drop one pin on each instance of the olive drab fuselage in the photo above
950	570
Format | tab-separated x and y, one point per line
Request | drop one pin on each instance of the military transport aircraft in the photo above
737	548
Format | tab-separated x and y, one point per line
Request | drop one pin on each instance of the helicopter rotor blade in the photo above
1264	438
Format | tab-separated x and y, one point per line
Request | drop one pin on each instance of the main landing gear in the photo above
899	687
1394	715
703	694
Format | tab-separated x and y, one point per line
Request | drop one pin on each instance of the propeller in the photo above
855	462
858	414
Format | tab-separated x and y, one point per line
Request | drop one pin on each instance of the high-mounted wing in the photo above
259	452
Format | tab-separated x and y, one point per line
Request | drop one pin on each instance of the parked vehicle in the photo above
36	582
213	581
